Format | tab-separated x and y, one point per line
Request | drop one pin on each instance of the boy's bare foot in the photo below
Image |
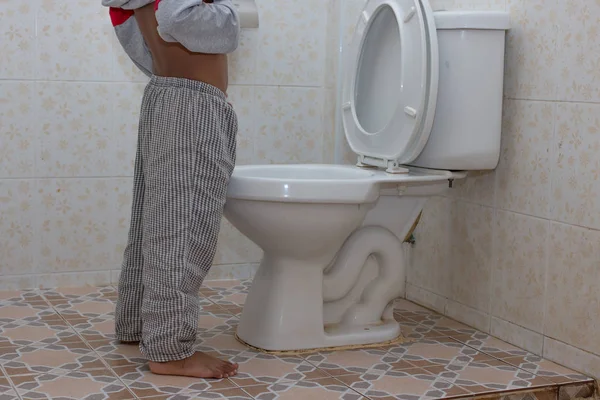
200	365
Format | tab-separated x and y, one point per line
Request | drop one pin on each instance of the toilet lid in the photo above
391	81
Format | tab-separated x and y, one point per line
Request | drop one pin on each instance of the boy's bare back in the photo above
174	60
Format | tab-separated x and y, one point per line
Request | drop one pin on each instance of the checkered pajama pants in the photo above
185	158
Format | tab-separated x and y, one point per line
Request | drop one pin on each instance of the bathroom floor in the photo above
58	344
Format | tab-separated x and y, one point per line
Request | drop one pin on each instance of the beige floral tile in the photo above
17	222
242	99
76	385
18	27
428	268
532	67
478	188
17	153
576	168
125	114
323	388
471	254
290	129
243	62
577	41
573	276
524	172
75	122
519	276
74	230
70	49
286	26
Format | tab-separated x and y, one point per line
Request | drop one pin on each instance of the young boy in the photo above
185	158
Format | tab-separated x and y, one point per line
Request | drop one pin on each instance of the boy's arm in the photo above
128	31
198	25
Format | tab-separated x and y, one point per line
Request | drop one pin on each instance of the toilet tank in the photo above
467	125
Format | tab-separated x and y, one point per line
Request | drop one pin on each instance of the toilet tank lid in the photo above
485	20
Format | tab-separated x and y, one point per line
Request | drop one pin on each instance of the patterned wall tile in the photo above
576	173
78	226
532	70
17	224
290	129
18	138
74	41
519	275
573	276
243	100
525	163
75	127
470	269
429	264
291	25
577	40
18	29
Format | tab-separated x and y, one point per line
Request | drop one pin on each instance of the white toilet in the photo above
422	104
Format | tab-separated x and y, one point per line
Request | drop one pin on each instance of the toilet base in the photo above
398	340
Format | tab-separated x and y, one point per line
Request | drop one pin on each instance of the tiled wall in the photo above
517	252
69	102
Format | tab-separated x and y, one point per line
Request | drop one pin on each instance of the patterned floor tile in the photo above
322	389
25	296
56	358
21	313
541	394
77	385
116	354
439	351
6	390
408	384
451	328
144	384
351	362
217	320
227	294
577	391
414	331
259	368
546	369
487	376
223	344
63	296
494	347
21	332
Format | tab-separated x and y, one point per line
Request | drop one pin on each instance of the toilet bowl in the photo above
422	105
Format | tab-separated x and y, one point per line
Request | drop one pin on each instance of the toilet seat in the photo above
391	82
314	183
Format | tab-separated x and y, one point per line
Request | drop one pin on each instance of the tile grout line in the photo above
10	382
